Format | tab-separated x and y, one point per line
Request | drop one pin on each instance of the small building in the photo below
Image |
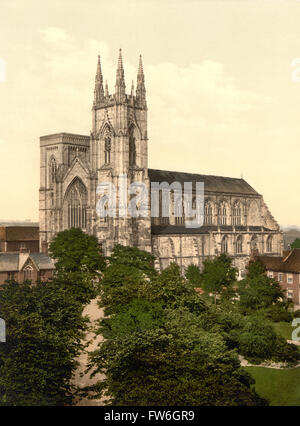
286	270
23	265
14	237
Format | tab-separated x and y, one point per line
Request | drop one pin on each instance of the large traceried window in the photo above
76	204
270	244
132	151
222	215
239	245
208	217
107	149
224	244
236	214
179	208
132	146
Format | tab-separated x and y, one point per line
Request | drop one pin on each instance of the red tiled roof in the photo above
289	263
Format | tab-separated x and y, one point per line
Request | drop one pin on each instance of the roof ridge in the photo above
194	173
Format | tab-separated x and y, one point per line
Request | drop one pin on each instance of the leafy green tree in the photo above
74	250
78	263
257	291
138	316
219	276
44	328
125	278
163	344
134	258
193	275
296	243
256	338
172	290
169	362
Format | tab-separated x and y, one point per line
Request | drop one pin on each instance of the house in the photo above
286	270
23	265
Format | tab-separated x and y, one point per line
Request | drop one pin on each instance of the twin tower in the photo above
73	166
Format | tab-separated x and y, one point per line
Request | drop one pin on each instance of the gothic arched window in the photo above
208	217
224	244
222	214
52	170
239	244
253	242
270	244
107	149
76	204
28	273
132	151
178	211
236	214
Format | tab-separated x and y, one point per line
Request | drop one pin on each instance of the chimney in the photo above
44	247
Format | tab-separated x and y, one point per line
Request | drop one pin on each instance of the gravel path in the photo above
80	378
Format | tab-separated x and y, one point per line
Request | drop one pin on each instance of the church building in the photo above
236	218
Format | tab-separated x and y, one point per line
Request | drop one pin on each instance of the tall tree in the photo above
44	328
158	348
257	290
218	276
78	262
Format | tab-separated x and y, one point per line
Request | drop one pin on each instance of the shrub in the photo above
256	338
285	352
277	313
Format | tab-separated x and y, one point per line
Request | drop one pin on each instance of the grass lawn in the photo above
284	329
279	387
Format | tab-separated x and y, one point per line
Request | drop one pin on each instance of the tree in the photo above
169	362
193	275
125	277
256	338
134	258
218	276
162	343
257	291
78	263
296	243
44	328
74	250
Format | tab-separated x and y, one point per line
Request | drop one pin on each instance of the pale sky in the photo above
220	92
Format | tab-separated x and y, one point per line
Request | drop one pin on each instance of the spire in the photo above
141	71
120	80
98	92
140	87
132	89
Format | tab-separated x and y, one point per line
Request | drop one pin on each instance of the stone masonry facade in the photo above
236	218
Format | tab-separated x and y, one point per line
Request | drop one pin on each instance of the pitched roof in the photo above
43	261
289	263
273	263
10	262
211	183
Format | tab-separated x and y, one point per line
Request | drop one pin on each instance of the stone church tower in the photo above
77	172
73	167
